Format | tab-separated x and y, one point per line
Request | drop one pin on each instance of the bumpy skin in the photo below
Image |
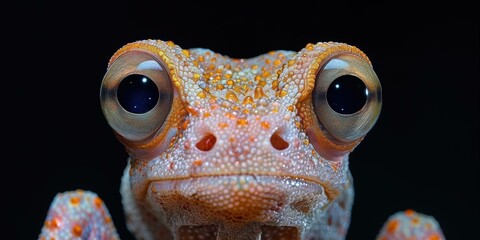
78	215
410	225
241	154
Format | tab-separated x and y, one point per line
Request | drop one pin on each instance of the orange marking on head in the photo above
393	226
186	53
192	111
277	62
258	93
201	58
309	47
77	230
196	76
266	74
242	122
237	89
291	62
219	87
274	84
229	115
207	75
108	219
231	96
265	124
202	95
247	100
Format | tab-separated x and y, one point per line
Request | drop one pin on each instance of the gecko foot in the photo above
410	225
78	215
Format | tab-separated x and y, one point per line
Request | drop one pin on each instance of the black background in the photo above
422	154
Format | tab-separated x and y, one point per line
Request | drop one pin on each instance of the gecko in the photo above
232	148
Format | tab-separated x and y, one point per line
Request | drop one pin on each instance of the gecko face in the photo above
239	145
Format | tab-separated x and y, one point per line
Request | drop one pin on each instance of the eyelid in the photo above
149	65
336	64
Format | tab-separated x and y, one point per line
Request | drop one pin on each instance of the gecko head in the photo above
222	141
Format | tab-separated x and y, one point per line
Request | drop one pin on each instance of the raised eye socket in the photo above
136	95
347	97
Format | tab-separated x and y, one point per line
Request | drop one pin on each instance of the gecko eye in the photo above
347	98
136	95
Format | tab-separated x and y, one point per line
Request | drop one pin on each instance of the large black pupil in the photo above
137	93
347	94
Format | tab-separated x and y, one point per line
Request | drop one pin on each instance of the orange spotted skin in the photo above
238	153
410	225
241	160
78	215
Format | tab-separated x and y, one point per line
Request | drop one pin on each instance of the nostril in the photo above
207	142
278	142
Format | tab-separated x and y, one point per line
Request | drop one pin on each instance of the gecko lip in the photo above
235	198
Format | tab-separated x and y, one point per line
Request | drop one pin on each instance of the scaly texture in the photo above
78	215
410	225
240	153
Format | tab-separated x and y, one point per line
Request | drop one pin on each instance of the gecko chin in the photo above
236	200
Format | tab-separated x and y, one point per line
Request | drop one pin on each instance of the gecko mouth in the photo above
234	201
